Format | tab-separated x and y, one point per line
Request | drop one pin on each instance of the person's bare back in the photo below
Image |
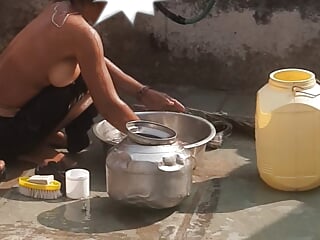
37	57
52	50
41	72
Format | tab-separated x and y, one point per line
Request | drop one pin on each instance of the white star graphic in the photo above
128	7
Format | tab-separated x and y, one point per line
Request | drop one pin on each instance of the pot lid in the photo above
150	133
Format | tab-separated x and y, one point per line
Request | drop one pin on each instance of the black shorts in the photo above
40	116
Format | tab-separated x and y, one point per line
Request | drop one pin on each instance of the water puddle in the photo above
100	215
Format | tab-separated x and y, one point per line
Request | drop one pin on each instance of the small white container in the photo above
77	183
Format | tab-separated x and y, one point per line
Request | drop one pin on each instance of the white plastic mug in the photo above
77	183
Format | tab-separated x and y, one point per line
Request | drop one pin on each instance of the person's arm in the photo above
122	81
152	99
89	53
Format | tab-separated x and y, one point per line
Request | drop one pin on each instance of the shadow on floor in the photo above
14	170
100	215
283	215
104	215
243	187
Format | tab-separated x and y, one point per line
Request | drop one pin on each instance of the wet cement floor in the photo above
228	202
102	218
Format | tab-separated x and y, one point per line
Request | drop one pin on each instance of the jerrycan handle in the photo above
300	92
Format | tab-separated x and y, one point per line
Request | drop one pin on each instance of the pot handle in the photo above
118	159
171	163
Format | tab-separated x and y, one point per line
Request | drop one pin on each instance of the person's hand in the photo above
155	100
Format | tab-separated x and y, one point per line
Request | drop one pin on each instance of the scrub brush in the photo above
40	186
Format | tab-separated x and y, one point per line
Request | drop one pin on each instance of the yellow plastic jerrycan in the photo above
288	130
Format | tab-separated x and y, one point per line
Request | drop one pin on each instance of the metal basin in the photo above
194	132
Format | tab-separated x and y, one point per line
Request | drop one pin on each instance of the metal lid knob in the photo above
169	160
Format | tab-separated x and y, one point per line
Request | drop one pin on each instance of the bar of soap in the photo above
41	179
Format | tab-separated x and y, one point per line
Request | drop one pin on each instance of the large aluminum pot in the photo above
194	132
149	167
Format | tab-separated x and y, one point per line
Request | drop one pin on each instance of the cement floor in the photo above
228	200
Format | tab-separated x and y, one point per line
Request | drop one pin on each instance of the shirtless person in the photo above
51	73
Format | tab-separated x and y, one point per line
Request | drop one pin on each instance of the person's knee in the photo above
2	170
2	165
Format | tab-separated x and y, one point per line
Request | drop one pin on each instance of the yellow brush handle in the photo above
53	186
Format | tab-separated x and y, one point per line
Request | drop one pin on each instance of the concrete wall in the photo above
14	15
235	47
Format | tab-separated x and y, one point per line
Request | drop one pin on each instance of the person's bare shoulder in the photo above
83	36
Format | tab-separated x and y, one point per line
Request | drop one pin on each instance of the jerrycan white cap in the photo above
292	77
